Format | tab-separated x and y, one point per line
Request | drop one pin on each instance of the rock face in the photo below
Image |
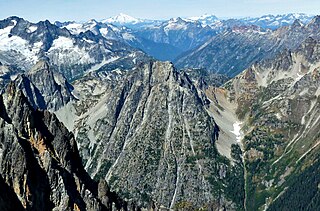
6	71
235	50
147	132
45	88
203	78
40	167
279	100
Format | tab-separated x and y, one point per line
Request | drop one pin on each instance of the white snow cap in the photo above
121	18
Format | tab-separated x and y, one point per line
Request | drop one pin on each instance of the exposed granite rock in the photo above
45	88
40	167
148	133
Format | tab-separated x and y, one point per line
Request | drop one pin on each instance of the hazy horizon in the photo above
81	10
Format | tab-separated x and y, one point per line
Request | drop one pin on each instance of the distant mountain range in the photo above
178	39
234	50
168	39
265	21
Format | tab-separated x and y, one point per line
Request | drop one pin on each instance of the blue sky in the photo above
35	10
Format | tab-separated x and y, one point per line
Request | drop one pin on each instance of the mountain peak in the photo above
297	23
93	21
176	20
40	65
122	18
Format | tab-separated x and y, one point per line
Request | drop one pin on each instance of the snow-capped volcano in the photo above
131	22
122	19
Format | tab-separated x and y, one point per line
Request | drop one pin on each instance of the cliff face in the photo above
44	87
147	132
40	167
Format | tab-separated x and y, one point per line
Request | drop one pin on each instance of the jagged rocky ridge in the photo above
75	49
179	33
23	43
40	166
46	89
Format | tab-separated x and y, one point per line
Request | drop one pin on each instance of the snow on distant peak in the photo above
205	20
32	29
203	17
10	42
122	19
175	24
272	21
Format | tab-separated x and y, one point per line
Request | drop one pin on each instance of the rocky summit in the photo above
45	88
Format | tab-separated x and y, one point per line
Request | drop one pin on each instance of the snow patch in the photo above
37	45
237	131
104	62
62	42
128	36
88	41
64	50
174	26
75	28
279	116
104	31
299	76
4	70
32	29
304	91
10	42
13	77
303	119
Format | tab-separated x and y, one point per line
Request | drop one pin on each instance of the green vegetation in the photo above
235	178
303	191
